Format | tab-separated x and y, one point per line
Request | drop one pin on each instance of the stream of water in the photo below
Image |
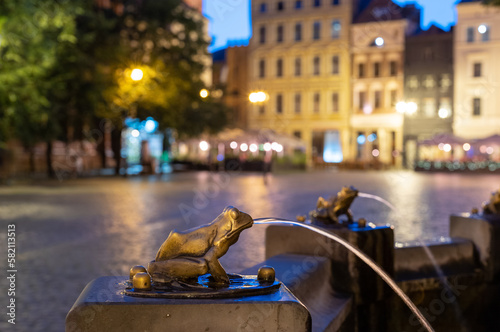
361	255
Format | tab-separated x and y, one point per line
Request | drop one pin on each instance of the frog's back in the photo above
195	243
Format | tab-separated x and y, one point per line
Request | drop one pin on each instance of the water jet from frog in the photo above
358	253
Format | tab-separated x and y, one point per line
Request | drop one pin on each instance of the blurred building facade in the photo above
237	90
299	56
476	52
428	85
378	51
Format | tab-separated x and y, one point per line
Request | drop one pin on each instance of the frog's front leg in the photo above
215	268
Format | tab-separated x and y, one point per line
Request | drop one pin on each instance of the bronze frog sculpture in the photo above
493	206
329	211
195	252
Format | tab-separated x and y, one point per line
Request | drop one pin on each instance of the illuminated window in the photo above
428	81
336	27
413	82
429	107
316	30
394	97
335	64
445	82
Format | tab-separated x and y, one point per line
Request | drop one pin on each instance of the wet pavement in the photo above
71	232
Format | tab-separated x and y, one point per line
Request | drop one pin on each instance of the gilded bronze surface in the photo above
329	211
493	206
136	269
141	281
187	255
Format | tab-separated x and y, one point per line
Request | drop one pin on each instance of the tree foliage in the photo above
62	63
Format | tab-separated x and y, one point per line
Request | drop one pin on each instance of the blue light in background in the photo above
441	13
332	152
230	23
372	137
230	20
361	139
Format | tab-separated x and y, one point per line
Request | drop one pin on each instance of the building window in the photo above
361	100
428	82
298	4
279	103
336	27
445	82
470	34
316	64
279	34
317	3
298	32
412	82
476	106
279	68
477	69
376	69
394	97
298	67
262	35
280	6
316	30
262	68
444	108
263	8
377	98
361	70
316	102
298	103
335	2
297	133
484	30
335	102
262	109
429	107
335	65
393	68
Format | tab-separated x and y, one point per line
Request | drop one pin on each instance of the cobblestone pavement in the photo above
71	232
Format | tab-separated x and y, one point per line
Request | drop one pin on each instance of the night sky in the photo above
230	22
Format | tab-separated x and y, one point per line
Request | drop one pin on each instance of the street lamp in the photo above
257	97
136	74
203	93
408	108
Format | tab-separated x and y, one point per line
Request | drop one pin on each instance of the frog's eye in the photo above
233	213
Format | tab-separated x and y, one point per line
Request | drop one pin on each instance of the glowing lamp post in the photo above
136	74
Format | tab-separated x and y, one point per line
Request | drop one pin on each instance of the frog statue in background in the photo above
186	255
493	206
329	211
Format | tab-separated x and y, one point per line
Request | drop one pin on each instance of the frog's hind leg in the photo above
182	268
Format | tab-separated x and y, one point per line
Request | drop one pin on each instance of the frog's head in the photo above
230	223
347	194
